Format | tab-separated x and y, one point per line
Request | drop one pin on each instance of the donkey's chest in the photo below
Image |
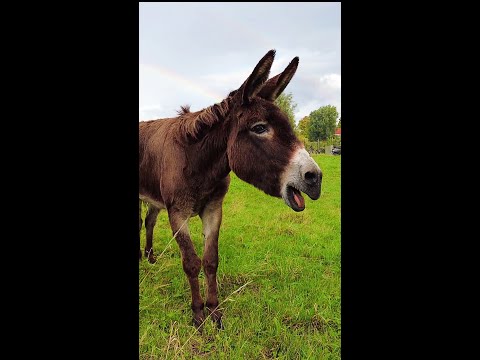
206	192
201	198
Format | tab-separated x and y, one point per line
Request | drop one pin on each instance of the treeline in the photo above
316	129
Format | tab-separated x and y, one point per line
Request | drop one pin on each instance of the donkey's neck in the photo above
208	155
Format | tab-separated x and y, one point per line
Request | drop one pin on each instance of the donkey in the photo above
185	162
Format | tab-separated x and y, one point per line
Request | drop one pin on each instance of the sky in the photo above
196	53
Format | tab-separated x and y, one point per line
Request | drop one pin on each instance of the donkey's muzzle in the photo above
302	175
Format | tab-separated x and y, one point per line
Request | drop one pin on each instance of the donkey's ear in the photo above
257	78
275	86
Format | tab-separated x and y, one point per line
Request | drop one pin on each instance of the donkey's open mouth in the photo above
301	175
294	199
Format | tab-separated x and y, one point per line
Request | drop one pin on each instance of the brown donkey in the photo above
185	164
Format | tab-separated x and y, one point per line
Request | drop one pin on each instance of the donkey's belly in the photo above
149	200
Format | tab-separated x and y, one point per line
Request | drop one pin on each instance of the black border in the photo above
78	293
383	248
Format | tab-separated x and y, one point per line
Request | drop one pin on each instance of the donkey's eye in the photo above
259	129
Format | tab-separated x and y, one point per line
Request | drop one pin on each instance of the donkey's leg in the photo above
190	261
150	221
211	219
139	230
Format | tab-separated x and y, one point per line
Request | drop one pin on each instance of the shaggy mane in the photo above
184	109
194	124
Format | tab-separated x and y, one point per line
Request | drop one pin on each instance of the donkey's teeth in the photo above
298	198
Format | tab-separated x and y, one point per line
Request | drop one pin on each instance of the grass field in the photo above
278	278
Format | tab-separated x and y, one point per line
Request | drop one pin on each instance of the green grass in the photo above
286	265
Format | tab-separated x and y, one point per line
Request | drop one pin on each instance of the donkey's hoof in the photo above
217	319
151	258
216	314
219	324
198	323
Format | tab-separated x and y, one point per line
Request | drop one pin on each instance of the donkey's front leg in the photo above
190	261
211	219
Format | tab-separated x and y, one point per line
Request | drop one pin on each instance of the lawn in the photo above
278	279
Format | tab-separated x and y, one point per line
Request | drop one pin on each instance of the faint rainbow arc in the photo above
172	75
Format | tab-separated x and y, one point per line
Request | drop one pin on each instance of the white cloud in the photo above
306	109
331	81
150	112
325	90
226	81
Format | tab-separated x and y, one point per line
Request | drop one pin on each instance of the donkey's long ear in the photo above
275	86
257	78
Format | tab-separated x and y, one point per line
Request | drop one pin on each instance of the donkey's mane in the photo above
184	109
193	123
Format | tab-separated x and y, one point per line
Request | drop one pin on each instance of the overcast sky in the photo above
196	53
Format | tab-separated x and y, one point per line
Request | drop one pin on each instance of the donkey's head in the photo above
262	147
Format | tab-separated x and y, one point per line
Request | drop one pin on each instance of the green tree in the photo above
322	123
303	125
287	105
339	125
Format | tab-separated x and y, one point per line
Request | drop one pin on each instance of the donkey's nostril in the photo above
311	178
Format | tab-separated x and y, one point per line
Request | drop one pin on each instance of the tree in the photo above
322	123
339	125
303	125
288	106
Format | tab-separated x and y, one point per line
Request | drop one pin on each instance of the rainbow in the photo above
188	83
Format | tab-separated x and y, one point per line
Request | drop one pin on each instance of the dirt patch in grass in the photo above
274	349
203	351
286	231
297	218
229	283
315	323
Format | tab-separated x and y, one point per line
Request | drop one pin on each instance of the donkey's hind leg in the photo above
150	221
139	229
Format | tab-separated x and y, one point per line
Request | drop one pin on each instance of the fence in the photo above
318	147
